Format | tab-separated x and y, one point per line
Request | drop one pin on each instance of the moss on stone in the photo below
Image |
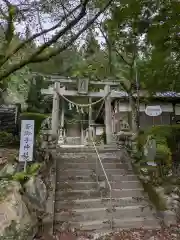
5	189
154	197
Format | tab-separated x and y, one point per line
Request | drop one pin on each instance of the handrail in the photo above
108	182
102	165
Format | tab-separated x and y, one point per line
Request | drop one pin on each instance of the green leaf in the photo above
33	169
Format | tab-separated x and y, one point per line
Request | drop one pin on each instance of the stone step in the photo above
87	178
104	225
90	160
100	203
77	194
93	185
117	193
90	155
90	214
103	154
91	165
76	185
88	150
126	185
75	178
89	172
123	177
85	194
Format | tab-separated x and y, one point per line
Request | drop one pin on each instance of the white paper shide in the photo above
27	141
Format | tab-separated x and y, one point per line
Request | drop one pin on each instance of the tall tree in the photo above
94	61
63	64
142	39
163	63
122	35
16	88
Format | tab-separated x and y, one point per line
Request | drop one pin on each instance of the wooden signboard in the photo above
8	117
83	85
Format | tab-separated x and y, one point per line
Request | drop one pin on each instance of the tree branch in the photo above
121	56
65	14
3	14
114	48
109	45
7	3
2	27
40	25
63	31
33	58
74	38
34	36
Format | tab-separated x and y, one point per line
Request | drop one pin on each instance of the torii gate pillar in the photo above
108	116
55	111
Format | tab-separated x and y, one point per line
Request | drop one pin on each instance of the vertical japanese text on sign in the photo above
27	141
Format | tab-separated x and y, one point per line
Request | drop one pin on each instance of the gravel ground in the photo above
171	233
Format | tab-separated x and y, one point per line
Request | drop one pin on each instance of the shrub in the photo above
163	155
165	137
22	177
163	131
166	133
163	159
37	117
7	139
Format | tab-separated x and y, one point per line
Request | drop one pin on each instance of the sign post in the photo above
27	142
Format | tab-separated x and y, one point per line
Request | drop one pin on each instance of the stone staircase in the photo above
73	140
85	205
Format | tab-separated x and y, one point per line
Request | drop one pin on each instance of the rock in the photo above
145	179
144	170
47	123
152	238
175	196
102	184
8	169
170	173
175	204
176	190
169	218
160	190
36	192
134	137
15	220
3	161
169	201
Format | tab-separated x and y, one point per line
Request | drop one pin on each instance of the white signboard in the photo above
153	111
99	131
27	141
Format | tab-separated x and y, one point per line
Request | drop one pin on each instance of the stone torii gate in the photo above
59	91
